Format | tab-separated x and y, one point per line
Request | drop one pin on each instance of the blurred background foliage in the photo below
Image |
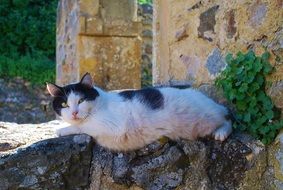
145	1
27	39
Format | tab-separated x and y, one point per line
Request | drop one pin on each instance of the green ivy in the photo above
243	82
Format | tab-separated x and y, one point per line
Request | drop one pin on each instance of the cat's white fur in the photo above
126	125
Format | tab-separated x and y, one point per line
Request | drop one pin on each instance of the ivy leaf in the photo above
247	117
269	114
250	77
243	88
240	96
264	130
238	83
267	69
267	104
265	56
229	58
239	70
257	65
252	109
250	56
240	57
254	87
241	105
259	79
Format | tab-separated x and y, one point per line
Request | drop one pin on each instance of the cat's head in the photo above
74	102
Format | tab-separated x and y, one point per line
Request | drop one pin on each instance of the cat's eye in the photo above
64	105
81	100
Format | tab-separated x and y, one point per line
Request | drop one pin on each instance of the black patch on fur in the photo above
151	97
89	94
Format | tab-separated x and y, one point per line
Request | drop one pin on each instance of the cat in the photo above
131	119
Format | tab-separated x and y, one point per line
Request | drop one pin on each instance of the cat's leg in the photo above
223	132
68	131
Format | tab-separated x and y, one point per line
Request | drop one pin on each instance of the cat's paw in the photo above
61	132
223	132
67	131
220	135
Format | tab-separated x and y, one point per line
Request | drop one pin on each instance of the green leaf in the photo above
241	105
247	117
259	79
257	66
240	96
243	88
265	55
269	114
250	56
267	69
229	58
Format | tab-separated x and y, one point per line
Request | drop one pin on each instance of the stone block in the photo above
109	25
186	34
114	62
94	26
89	8
125	10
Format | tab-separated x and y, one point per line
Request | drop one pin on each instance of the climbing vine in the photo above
243	82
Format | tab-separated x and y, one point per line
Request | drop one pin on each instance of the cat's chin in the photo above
75	121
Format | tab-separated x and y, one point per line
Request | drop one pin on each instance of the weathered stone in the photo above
94	26
147	33
182	33
207	22
230	26
239	163
276	93
58	163
89	8
111	22
215	62
258	12
112	61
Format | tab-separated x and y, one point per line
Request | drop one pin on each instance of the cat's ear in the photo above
53	89
87	80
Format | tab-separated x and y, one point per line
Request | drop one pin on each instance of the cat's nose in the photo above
75	113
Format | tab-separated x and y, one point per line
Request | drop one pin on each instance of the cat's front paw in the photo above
67	131
223	132
61	132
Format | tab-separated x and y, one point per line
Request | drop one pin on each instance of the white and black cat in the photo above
131	119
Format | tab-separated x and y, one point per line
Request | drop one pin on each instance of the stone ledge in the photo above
57	163
74	162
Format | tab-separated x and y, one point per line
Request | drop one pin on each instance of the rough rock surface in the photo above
192	38
56	163
99	37
22	102
74	162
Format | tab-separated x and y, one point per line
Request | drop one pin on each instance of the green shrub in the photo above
27	39
145	1
243	82
27	27
37	71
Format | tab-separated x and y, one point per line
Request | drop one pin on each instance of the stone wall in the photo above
100	37
192	37
29	160
145	15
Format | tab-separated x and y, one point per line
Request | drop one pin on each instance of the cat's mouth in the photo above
80	119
